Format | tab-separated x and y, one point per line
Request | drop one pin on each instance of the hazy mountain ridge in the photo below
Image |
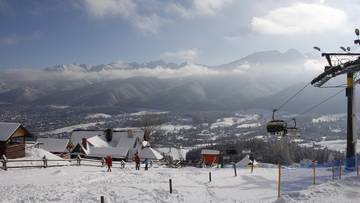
235	85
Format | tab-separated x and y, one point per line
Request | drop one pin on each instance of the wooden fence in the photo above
44	163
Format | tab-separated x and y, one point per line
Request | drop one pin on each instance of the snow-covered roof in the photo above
7	129
53	144
119	146
126	139
115	152
149	153
78	135
97	141
210	151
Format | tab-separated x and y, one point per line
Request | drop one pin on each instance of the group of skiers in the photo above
108	161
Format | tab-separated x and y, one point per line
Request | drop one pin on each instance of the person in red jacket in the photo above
109	163
137	162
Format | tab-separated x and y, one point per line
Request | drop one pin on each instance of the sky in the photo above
42	33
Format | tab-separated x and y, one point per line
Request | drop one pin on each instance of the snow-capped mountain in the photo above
158	84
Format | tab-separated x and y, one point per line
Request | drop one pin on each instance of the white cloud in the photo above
210	7
148	24
127	10
198	8
103	8
182	55
75	74
300	18
315	65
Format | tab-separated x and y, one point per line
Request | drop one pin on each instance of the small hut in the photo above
12	140
210	157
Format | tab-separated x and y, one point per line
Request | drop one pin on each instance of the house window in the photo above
16	140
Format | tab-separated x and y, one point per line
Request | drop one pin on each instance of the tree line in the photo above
274	151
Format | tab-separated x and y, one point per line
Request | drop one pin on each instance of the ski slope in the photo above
87	184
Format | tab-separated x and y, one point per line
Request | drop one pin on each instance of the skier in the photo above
109	163
137	162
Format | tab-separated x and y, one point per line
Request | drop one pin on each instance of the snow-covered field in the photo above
344	191
98	115
174	128
230	121
87	184
141	113
328	118
337	145
73	127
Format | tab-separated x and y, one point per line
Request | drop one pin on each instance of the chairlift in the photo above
276	126
293	131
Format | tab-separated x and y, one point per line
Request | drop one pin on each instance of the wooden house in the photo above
120	145
210	157
60	147
12	140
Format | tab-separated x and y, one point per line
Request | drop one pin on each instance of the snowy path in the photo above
87	184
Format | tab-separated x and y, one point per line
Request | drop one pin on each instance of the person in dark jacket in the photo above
146	162
109	163
137	162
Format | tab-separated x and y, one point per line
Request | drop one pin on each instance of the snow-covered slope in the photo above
343	191
87	184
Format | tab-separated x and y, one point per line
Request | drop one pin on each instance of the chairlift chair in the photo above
293	131
276	126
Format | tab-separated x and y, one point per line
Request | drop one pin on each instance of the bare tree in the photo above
149	124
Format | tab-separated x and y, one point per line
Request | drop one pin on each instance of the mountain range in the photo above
259	80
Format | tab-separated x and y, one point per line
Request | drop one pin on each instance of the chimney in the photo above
130	133
84	143
108	134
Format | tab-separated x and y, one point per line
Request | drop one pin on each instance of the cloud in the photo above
107	74
182	55
198	8
300	18
148	24
210	7
103	8
127	10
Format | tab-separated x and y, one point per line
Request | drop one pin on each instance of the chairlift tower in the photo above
339	67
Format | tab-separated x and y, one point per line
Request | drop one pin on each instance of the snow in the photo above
337	145
336	130
87	184
7	129
73	127
32	153
142	113
175	153
98	115
249	125
344	191
230	121
149	153
328	118
174	128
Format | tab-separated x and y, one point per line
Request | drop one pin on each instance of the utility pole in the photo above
351	125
